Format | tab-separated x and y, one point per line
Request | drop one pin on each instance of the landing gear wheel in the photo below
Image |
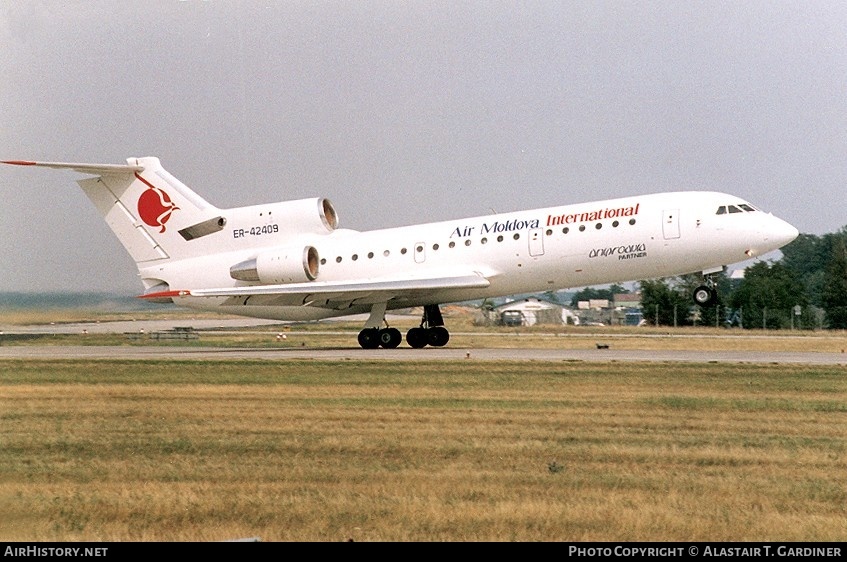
416	338
438	336
431	331
369	338
390	338
705	296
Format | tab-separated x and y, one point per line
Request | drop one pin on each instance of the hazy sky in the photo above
403	112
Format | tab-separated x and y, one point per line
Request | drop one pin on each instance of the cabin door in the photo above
670	223
536	242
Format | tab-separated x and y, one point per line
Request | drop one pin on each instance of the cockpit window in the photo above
738	208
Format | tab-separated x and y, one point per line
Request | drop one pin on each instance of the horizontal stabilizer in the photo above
82	168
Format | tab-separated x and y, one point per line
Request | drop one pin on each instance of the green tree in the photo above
806	257
618	289
768	295
551	296
834	290
660	301
590	293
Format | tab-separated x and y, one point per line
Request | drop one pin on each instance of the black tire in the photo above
389	338
369	338
438	336
416	338
705	296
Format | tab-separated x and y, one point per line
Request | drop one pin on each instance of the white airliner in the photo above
290	261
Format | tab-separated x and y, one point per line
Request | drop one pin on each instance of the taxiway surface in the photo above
136	352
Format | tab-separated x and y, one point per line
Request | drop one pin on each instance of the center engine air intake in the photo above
287	265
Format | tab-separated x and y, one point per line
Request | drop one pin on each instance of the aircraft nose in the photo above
784	232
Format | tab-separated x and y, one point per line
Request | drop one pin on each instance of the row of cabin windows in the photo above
483	240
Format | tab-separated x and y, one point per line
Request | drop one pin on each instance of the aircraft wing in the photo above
333	294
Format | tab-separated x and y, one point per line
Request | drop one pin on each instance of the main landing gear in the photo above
430	332
372	338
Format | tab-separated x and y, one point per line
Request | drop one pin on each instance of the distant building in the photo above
531	311
627	300
621	309
628	304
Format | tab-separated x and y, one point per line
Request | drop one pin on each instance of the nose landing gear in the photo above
707	293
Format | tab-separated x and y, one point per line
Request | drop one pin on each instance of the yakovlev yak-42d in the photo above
290	261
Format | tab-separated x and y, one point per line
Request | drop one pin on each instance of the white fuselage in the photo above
619	240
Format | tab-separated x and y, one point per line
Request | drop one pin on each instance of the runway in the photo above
289	351
446	354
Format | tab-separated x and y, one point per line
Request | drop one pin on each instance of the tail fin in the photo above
151	212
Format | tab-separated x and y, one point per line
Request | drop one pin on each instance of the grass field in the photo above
308	450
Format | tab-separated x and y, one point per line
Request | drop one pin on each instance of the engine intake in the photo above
288	265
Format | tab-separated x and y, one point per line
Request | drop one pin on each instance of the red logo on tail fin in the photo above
154	205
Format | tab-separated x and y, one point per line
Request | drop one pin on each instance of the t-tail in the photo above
159	220
151	212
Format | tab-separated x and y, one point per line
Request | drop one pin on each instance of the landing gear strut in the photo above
374	336
431	331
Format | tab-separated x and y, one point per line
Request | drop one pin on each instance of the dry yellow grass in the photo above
332	451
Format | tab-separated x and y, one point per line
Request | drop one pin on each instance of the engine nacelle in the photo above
283	219
315	215
282	265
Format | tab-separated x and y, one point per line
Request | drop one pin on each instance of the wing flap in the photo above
333	294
